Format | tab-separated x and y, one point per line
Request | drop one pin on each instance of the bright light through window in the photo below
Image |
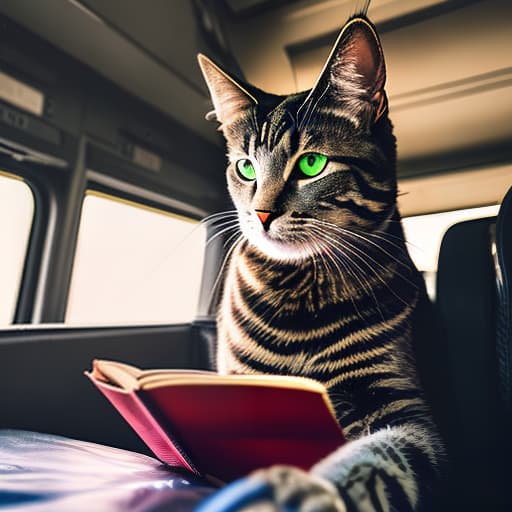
16	214
424	234
134	265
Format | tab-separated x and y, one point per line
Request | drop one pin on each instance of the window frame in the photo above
139	197
41	188
50	187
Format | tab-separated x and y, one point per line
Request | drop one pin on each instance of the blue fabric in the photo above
41	472
238	495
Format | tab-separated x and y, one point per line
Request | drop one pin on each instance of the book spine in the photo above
135	412
165	434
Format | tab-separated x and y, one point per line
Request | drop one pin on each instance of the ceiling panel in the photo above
125	61
449	67
166	30
449	61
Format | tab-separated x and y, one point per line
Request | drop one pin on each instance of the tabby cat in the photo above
319	282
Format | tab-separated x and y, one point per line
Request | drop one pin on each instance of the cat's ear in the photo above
355	70
229	98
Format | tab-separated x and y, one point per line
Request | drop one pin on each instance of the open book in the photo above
222	425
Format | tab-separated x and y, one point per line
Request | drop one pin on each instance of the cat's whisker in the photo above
342	245
365	256
218	223
376	262
359	234
222	267
384	235
213	222
343	229
363	282
310	250
336	262
330	267
327	252
226	243
345	247
219	214
213	230
371	242
316	253
219	228
222	232
409	267
171	252
222	215
373	271
326	248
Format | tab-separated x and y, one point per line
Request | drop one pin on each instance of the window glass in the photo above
134	265
424	234
16	216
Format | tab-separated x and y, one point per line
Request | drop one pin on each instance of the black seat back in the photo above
503	261
469	366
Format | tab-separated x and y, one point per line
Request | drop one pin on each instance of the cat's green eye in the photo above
246	169
312	164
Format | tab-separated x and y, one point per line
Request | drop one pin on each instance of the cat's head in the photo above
302	165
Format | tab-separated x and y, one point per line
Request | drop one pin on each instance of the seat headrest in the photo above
503	262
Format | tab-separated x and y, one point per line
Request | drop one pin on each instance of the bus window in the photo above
134	265
424	234
16	215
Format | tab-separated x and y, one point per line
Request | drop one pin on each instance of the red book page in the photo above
229	431
136	414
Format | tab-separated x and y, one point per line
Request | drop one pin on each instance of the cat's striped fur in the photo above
327	290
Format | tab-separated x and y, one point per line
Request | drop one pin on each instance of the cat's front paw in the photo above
294	489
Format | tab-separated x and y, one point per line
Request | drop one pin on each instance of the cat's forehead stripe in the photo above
275	127
247	141
252	144
262	132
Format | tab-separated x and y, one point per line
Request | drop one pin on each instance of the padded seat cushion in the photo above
41	472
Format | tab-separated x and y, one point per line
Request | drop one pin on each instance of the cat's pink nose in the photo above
263	215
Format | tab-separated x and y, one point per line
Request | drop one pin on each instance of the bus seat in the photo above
43	472
461	371
503	260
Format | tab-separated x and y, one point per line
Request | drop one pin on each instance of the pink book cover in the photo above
133	410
